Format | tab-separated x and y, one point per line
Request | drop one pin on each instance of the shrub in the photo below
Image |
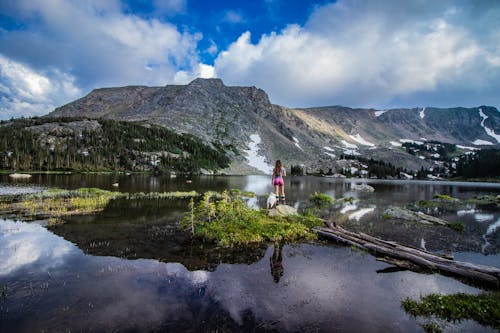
320	200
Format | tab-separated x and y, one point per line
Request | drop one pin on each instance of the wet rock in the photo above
408	215
362	188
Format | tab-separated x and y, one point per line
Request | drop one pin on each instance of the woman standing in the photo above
279	173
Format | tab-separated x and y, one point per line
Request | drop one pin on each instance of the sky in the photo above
374	54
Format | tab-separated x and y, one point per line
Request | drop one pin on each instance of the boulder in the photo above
282	210
408	215
19	175
362	188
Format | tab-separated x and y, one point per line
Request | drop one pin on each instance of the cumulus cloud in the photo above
375	54
26	92
93	44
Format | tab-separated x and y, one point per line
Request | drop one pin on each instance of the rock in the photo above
408	215
20	175
283	210
362	188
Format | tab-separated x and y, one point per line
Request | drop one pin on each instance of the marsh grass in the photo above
228	221
163	195
483	308
56	202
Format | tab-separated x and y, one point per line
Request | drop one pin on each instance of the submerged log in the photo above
409	257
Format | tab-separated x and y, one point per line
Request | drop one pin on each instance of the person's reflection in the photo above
276	262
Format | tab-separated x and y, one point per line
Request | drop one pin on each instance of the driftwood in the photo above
412	258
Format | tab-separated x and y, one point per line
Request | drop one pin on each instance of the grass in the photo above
444	197
228	221
483	308
320	200
56	202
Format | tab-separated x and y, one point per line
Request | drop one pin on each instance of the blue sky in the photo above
379	54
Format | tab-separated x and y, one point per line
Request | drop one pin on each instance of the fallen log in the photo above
409	257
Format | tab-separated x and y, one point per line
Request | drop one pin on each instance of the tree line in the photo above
116	146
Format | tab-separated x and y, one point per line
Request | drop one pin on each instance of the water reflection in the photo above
360	213
321	288
276	262
30	245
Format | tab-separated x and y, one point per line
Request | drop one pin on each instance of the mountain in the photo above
255	132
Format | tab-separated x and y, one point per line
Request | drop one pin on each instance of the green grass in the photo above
228	221
483	308
56	202
320	200
444	197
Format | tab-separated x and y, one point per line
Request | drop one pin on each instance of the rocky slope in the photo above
256	132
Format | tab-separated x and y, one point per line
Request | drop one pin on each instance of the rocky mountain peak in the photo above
206	83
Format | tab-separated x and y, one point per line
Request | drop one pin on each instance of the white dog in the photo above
271	200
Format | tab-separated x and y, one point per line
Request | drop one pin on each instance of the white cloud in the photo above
206	71
360	54
26	92
170	7
91	44
234	17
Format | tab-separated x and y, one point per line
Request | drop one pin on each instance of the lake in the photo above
129	268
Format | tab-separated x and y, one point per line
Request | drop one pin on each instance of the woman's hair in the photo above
277	168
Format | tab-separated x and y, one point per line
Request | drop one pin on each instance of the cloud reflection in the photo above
23	244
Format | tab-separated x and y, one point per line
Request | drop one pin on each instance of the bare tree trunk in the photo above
407	256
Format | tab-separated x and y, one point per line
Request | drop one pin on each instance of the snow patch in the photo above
351	152
407	176
466	212
349	145
396	144
488	130
360	140
465	147
422	113
379	113
411	141
483	217
329	149
482	142
254	159
297	143
330	154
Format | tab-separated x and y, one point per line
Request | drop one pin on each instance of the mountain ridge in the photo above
236	117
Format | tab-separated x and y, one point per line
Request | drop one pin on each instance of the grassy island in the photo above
227	220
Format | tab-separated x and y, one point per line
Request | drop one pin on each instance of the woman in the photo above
278	182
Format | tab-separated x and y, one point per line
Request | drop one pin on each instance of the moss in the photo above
348	200
320	200
228	221
483	308
456	226
444	197
424	203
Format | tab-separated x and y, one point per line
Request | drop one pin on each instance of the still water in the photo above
130	269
